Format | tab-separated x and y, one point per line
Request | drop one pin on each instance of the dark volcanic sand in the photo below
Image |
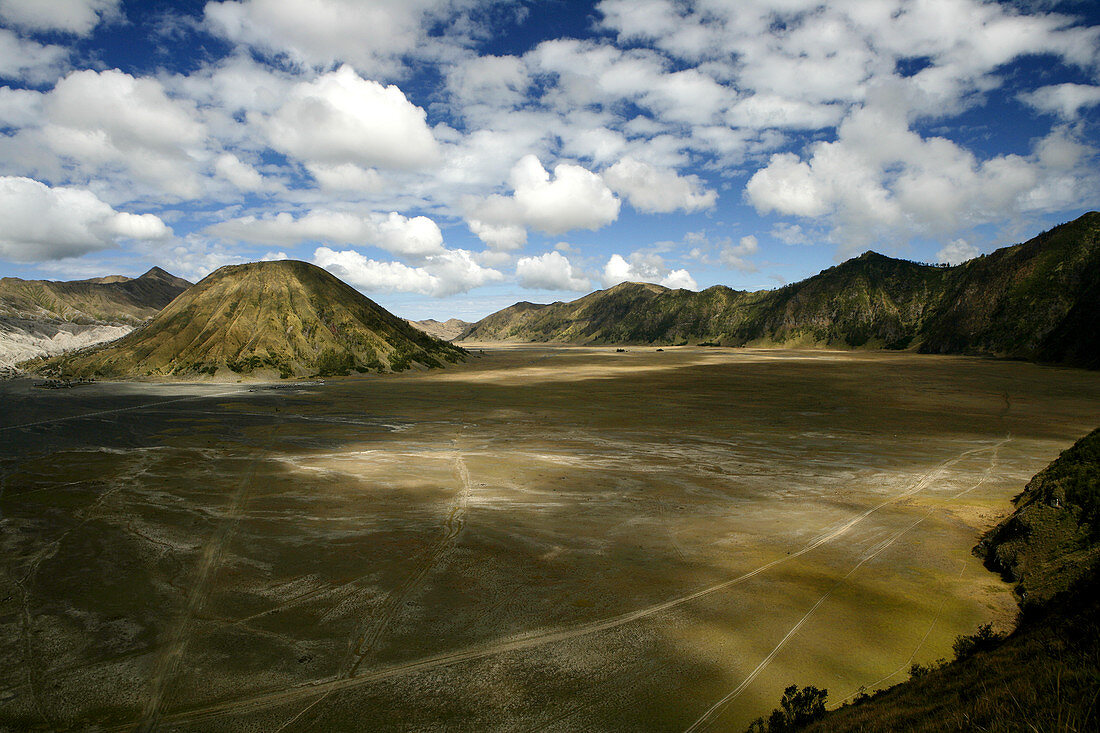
546	538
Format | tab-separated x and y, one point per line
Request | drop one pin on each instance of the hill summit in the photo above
40	318
284	318
114	299
447	330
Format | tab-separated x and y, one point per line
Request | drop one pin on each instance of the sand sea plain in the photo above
543	538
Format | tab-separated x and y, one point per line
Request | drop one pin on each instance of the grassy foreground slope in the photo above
1038	300
1052	539
283	318
1045	676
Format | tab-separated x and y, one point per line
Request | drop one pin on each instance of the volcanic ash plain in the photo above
543	538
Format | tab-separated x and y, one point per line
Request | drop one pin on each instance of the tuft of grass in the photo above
797	709
983	639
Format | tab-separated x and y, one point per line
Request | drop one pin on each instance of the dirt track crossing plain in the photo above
544	538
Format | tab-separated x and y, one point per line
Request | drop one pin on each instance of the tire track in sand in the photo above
36	677
374	627
339	591
713	711
117	410
167	664
536	637
939	610
907	664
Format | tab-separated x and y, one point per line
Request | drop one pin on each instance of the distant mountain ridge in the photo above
46	317
447	330
1038	300
268	319
114	299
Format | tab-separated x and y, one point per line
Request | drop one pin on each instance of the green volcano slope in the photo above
283	318
1039	300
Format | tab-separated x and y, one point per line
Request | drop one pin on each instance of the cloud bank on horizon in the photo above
447	157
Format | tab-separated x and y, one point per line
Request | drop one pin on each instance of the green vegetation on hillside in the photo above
1045	676
1039	300
278	319
797	709
1035	300
1052	539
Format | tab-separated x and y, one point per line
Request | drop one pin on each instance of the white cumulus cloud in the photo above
29	61
771	110
550	271
43	223
1065	100
790	233
574	198
737	255
417	236
19	107
237	172
787	185
342	118
657	190
109	119
372	35
648	268
957	251
881	179
499	237
499	81
345	177
441	275
77	17
796	59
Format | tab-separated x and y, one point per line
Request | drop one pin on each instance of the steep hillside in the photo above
1046	674
105	300
282	318
1036	300
1052	538
45	318
870	300
629	312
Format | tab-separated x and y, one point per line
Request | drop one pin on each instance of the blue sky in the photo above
450	157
